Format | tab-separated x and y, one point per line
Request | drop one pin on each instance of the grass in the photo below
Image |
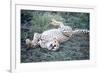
72	49
76	48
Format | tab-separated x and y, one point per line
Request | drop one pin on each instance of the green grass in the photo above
77	48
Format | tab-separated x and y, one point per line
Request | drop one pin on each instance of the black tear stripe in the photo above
67	36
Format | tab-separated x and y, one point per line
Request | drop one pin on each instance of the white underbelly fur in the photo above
52	34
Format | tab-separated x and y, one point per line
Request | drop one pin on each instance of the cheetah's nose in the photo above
53	46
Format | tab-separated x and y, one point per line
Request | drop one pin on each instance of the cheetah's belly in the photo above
52	34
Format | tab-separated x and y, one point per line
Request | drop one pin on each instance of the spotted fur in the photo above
51	39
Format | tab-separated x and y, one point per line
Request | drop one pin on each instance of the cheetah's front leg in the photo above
34	42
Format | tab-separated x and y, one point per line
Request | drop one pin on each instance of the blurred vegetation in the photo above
39	21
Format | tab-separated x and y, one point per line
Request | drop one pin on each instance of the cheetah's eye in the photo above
51	45
38	40
41	39
54	46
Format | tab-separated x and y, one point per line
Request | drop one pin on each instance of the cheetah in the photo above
51	39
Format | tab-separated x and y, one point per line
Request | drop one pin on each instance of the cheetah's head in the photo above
52	45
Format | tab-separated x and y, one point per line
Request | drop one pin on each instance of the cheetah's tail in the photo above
79	31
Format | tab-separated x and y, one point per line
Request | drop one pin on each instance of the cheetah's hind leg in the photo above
66	30
36	38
